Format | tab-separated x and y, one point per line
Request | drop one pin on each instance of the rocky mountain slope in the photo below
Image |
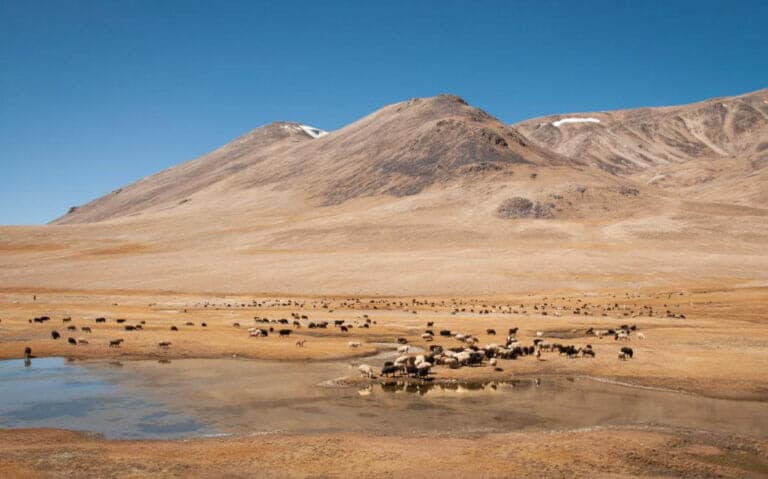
699	148
431	196
400	150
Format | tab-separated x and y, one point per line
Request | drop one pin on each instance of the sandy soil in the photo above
594	453
717	350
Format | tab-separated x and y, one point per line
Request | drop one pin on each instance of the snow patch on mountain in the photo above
575	120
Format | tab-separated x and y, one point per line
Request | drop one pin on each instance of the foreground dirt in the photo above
596	453
717	349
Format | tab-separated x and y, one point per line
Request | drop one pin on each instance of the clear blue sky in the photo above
95	95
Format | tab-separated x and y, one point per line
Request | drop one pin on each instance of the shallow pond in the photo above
194	397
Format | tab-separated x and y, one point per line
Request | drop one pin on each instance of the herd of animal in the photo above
82	341
461	350
470	354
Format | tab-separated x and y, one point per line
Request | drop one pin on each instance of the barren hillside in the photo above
715	150
431	196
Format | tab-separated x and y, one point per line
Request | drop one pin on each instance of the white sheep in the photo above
463	357
539	334
353	344
365	370
640	336
401	360
450	361
427	337
82	341
403	349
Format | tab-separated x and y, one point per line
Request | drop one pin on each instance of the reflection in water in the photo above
160	398
425	388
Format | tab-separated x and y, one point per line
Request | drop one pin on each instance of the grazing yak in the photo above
72	341
55	334
390	370
626	353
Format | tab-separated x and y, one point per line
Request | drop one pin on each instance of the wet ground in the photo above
195	397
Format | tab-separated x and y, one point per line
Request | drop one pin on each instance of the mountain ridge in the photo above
408	147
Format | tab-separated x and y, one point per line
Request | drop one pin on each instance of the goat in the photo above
300	343
353	344
115	343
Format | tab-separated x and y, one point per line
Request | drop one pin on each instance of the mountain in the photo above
431	196
705	149
399	150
